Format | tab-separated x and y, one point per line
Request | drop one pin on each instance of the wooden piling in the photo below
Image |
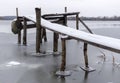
65	20
56	35
65	17
77	21
17	13
44	35
19	31
38	29
55	42
65	9
63	64
85	55
24	31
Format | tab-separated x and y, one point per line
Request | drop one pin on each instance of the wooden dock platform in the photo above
41	24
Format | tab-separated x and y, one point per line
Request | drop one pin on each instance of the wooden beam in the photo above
87	41
29	26
86	26
71	13
52	17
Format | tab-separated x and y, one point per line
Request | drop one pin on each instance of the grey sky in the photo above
85	7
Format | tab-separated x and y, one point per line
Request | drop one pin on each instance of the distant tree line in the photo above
104	18
7	17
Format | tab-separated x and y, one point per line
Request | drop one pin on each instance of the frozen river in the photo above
18	66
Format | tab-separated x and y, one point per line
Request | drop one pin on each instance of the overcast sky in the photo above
85	7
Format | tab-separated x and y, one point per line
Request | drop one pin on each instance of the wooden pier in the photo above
60	19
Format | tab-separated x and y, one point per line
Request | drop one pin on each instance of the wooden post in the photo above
44	35
65	20
77	21
63	65
85	55
19	31
38	29
62	71
65	9
24	31
55	42
56	35
65	17
17	12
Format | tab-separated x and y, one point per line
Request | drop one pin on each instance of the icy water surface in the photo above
17	65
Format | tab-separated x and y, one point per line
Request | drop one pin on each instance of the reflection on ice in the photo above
13	63
32	66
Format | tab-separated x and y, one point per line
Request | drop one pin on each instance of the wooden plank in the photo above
69	13
53	17
93	39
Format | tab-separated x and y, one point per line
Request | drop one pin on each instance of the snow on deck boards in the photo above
109	43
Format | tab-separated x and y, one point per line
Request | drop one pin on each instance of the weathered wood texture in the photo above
44	34
25	32
86	26
65	9
85	44
63	64
55	42
38	29
52	17
77	21
19	32
85	55
62	14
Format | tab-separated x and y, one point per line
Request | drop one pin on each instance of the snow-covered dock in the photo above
41	25
108	43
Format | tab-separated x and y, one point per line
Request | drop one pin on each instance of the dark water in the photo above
18	65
